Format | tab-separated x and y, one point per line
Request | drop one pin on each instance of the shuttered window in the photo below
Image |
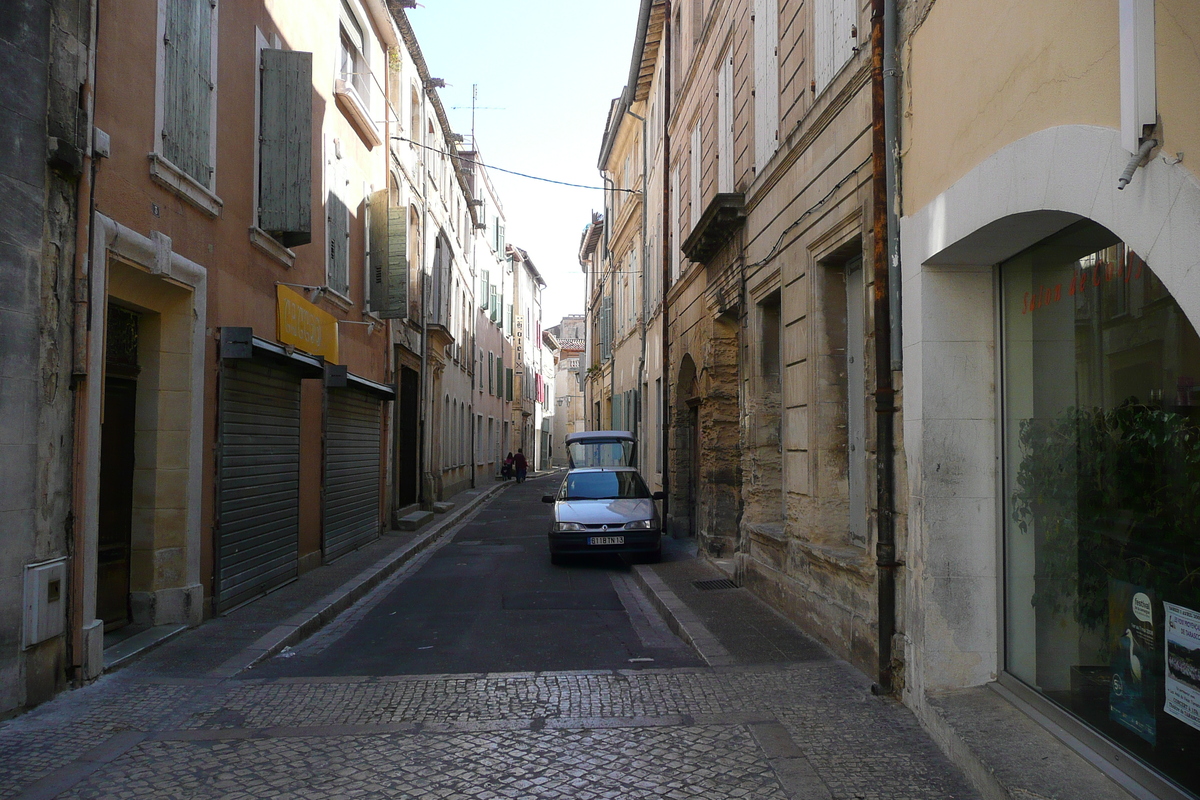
725	124
508	384
834	23
694	177
189	83
389	258
285	146
491	373
606	328
337	228
766	81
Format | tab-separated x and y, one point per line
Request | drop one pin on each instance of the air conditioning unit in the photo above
45	600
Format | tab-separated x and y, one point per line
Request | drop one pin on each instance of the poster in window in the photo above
1131	697
1183	664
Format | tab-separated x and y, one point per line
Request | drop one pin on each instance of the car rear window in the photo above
605	486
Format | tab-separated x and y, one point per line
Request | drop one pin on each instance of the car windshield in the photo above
605	486
601	453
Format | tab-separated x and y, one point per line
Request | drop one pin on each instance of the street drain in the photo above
719	583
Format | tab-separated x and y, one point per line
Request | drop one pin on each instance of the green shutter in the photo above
337	220
483	291
508	384
491	373
188	87
285	146
396	306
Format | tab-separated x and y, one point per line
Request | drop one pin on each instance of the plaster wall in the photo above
1033	186
955	116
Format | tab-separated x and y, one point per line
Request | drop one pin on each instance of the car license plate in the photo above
606	540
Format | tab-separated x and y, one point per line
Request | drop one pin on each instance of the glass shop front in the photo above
1101	438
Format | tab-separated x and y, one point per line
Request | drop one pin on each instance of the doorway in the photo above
117	432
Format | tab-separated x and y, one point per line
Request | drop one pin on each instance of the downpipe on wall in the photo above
885	406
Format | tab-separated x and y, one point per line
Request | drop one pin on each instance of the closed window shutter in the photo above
491	373
766	77
389	258
508	384
285	146
483	291
188	87
337	221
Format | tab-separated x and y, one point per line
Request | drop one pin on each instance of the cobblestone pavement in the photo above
807	730
783	720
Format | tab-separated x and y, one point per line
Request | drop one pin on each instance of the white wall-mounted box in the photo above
45	600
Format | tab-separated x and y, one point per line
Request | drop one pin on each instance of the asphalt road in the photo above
487	599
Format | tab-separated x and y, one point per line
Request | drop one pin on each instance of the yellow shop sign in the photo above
304	326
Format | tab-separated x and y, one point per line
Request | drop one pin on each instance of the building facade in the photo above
45	175
1049	230
247	333
569	407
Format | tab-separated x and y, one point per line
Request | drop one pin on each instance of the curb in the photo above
307	622
681	619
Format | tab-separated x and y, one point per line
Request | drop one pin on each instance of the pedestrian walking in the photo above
521	465
507	470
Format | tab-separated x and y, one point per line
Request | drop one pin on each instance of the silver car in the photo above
604	510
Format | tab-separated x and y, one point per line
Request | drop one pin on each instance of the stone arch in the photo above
1018	196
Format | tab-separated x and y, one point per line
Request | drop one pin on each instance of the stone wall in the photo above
45	134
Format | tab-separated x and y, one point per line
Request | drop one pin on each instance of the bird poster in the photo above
1183	664
1132	656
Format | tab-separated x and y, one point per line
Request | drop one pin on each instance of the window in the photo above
658	404
285	146
725	124
1101	438
491	374
189	87
766	80
353	69
834	25
337	222
694	176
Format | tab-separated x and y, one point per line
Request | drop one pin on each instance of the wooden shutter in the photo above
389	258
823	35
508	384
188	87
725	124
337	231
845	19
766	79
491	373
484	290
285	146
694	177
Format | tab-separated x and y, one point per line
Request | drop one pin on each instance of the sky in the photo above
547	71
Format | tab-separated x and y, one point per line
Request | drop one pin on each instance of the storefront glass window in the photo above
1102	494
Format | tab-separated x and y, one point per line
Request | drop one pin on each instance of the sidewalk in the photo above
999	747
228	644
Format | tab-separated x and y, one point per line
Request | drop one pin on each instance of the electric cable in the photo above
473	162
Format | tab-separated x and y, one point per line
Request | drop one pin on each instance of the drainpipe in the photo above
891	130
85	201
643	259
885	544
422	240
665	410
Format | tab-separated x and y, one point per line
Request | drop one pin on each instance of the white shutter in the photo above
766	80
845	20
694	178
725	125
822	42
675	241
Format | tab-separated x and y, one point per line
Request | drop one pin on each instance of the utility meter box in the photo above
45	600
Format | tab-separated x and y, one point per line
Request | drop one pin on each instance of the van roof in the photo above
599	436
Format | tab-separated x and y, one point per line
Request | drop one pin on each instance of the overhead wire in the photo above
473	162
779	242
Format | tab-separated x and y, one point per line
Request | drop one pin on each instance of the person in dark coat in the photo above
521	465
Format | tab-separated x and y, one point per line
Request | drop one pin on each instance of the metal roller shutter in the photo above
258	473
351	471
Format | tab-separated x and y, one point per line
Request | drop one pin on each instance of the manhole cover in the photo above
719	583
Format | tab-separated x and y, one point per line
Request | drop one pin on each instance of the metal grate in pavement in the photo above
719	583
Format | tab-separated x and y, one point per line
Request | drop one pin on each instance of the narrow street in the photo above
478	670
